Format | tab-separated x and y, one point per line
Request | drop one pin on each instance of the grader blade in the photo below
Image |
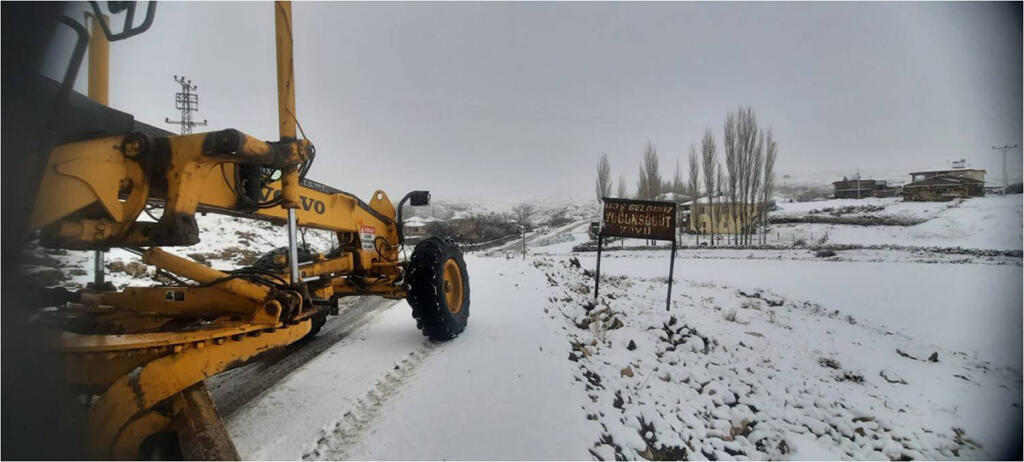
124	416
201	433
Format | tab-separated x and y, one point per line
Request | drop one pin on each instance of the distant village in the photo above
956	181
717	215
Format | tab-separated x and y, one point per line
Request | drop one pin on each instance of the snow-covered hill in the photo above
992	222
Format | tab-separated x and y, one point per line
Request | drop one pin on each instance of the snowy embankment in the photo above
992	222
737	371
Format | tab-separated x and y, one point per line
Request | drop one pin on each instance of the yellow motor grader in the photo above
139	355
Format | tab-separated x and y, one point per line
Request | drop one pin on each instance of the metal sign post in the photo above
671	270
597	272
642	220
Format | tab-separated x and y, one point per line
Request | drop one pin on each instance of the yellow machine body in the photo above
144	351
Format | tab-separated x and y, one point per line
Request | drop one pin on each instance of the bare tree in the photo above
694	188
754	187
649	185
732	148
767	189
741	143
717	196
524	213
677	180
622	187
603	185
746	129
694	174
709	158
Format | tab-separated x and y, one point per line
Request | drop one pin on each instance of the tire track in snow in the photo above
338	437
232	389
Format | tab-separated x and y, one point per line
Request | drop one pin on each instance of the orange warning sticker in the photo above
367	234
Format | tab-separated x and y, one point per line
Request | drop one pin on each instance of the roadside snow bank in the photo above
740	373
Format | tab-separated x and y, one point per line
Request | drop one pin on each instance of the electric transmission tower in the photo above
186	101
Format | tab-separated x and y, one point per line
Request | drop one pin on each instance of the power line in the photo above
1005	178
187	101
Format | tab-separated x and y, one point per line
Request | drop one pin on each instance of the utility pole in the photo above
187	101
1005	178
523	228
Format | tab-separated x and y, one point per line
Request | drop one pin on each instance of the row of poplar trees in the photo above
747	177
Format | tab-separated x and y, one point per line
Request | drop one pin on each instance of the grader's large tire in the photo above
439	288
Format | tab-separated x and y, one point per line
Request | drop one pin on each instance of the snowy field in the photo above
992	222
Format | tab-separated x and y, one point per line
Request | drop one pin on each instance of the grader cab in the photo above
139	355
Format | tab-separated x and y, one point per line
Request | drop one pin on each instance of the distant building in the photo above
861	188
682	212
700	212
414	229
945	184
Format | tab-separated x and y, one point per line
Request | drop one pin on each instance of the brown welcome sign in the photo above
639	219
642	220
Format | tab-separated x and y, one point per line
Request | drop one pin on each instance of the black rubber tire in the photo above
426	289
318	320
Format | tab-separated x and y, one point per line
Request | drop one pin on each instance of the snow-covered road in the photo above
501	390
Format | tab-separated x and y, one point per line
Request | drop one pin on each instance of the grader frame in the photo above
144	351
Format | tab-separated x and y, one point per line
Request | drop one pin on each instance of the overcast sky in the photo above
520	100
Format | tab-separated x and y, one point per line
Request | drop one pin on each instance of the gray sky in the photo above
520	100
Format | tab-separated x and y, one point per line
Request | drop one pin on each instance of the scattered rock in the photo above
850	377
934	358
829	363
626	372
135	269
891	377
631	346
616	324
116	266
905	354
617	402
574	262
199	257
